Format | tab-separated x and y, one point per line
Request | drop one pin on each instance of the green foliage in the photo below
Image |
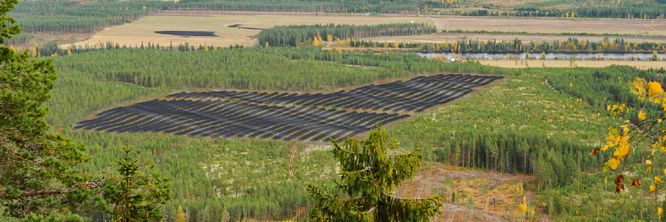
230	179
96	80
368	171
38	173
572	45
135	195
299	35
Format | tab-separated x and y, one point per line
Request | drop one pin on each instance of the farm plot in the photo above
285	116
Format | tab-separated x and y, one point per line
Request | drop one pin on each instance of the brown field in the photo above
568	64
552	25
142	30
470	195
450	37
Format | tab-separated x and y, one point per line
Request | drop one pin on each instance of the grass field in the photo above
572	64
143	30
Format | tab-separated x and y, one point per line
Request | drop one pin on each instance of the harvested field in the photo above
286	116
451	37
569	64
553	25
231	29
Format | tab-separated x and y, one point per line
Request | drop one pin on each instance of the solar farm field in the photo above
286	116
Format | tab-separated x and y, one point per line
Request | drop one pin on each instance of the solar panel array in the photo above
286	116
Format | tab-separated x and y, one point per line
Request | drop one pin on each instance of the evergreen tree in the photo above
369	170
37	166
135	195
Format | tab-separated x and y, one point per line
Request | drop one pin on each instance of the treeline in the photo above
553	162
72	16
605	86
628	10
618	45
324	6
299	35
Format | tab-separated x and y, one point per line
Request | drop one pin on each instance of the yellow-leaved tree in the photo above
641	136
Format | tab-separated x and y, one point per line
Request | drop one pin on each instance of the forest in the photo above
572	45
566	130
303	35
492	148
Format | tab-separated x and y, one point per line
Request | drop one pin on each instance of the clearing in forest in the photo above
286	116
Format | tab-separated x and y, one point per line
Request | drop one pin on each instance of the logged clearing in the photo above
469	195
552	25
230	29
570	64
451	37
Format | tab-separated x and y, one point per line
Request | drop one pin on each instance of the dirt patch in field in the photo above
470	195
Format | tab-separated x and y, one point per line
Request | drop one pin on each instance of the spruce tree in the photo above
368	171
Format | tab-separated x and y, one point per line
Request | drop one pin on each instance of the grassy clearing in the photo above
142	30
572	64
477	194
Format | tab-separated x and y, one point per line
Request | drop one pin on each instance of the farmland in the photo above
552	25
232	29
313	117
239	29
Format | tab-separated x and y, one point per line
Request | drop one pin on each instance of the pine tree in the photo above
38	175
369	169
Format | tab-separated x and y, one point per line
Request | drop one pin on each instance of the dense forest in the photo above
301	35
572	45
